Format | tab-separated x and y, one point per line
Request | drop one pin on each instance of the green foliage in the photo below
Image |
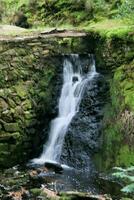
128	189
127	175
13	5
126	9
74	12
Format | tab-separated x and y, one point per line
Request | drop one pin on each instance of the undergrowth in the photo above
74	12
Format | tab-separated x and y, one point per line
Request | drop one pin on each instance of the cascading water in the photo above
74	83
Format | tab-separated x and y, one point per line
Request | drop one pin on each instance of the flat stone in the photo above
11	127
3	105
9	137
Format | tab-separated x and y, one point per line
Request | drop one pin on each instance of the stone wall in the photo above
30	77
116	56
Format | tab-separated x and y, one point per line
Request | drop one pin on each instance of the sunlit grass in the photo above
111	28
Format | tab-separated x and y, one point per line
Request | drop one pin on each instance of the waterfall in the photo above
74	82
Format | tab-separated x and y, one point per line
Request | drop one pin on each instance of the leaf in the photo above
129	169
130	178
119	174
128	189
119	169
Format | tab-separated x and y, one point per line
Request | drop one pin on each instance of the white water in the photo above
74	83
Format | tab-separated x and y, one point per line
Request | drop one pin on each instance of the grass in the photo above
112	28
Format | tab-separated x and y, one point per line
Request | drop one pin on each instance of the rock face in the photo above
116	56
82	139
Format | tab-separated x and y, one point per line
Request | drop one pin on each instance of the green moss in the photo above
3	105
21	90
129	99
129	55
27	105
11	103
4	147
11	127
125	157
28	115
35	192
118	125
118	75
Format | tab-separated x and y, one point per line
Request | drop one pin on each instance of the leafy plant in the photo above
126	10
127	175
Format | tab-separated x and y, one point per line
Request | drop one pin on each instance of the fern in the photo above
128	189
127	175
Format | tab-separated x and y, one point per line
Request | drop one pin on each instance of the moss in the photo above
129	99
28	115
11	103
4	147
129	55
10	137
35	192
11	127
3	105
21	90
118	121
26	105
125	157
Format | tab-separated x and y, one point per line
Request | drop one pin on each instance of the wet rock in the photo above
85	128
75	79
56	167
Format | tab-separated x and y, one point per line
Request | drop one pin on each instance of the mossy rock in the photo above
21	90
4	147
11	127
26	105
3	105
10	137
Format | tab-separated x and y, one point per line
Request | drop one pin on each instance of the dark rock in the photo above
83	136
20	19
75	78
52	166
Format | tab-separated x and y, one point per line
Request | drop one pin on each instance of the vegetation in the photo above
111	27
127	176
74	12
